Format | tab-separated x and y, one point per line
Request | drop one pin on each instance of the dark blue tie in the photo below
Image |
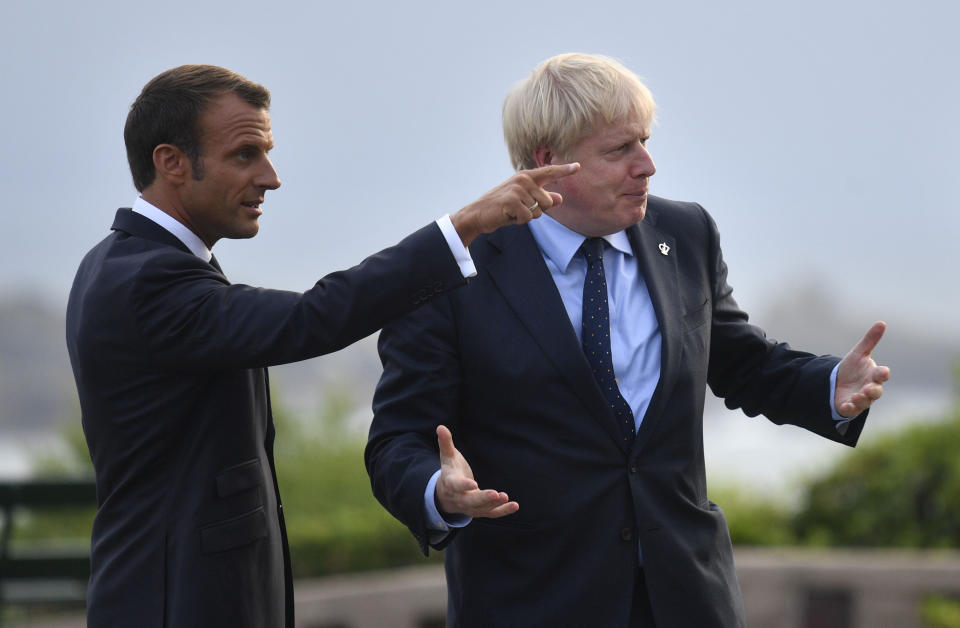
596	335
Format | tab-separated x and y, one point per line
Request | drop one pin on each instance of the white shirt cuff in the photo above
842	421
460	252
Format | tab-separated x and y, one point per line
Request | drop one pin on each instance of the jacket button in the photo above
633	468
626	534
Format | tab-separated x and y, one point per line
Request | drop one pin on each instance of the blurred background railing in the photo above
46	569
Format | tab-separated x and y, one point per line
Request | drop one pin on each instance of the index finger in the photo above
546	174
871	338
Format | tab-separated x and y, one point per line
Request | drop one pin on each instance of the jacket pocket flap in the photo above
239	478
696	318
235	532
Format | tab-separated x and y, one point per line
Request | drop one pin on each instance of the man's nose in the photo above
643	166
268	179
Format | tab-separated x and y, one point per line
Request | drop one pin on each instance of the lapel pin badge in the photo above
664	248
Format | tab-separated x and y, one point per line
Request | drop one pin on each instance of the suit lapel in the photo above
662	277
521	275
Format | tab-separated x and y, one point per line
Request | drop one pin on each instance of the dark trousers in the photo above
641	614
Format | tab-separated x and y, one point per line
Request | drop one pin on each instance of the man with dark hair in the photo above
168	109
170	358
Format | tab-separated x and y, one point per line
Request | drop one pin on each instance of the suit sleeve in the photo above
190	317
762	376
418	391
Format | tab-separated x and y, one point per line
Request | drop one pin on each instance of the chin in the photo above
244	234
640	211
634	216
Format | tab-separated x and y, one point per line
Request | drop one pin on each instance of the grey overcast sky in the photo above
820	134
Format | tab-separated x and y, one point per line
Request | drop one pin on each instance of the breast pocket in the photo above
697	317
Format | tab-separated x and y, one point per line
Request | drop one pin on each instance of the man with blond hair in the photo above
572	376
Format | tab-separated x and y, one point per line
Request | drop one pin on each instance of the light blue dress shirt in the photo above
634	330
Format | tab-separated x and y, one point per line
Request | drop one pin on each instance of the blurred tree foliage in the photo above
60	524
901	490
754	519
73	460
334	523
939	611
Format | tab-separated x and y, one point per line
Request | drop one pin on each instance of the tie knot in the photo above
592	249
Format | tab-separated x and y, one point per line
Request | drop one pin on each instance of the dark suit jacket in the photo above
500	364
169	363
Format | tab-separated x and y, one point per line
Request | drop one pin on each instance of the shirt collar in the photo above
174	226
559	243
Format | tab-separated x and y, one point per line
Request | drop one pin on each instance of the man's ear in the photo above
544	156
171	163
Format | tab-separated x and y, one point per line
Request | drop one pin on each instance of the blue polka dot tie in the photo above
596	335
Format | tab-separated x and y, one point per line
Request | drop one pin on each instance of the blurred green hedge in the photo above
939	611
334	524
902	490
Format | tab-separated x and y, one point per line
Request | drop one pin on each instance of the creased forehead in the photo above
228	119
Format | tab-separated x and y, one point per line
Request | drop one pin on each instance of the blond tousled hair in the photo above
563	98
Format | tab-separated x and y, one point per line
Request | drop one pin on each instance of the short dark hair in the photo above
168	109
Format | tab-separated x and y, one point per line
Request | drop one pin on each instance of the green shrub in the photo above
753	519
938	611
334	524
351	542
900	491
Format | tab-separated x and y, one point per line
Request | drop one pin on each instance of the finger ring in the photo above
533	207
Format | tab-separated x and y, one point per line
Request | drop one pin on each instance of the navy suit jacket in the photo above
500	365
169	360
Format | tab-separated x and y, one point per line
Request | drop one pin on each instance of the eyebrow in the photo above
620	138
260	143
